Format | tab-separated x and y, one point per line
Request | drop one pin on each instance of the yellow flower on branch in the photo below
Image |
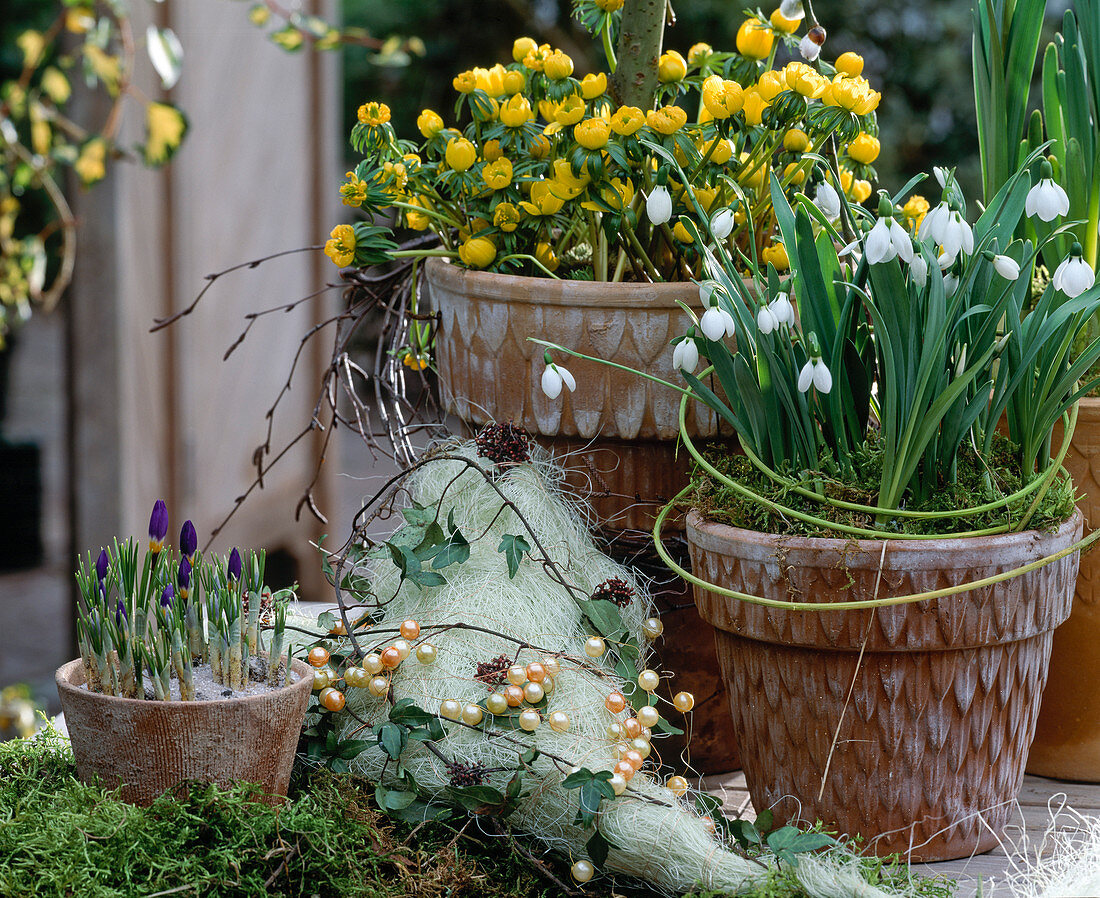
666	120
430	123
627	120
165	127
864	148
373	113
754	39
354	193
671	67
460	154
506	217
497	174
341	245
592	133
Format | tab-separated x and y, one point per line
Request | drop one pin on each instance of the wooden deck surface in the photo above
1040	802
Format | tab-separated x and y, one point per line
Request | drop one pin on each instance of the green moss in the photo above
978	481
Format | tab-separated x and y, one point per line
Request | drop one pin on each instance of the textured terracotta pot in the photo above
150	746
620	428
1067	736
932	743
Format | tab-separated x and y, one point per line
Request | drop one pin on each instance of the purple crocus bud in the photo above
120	613
158	526
189	540
234	565
101	565
167	596
183	578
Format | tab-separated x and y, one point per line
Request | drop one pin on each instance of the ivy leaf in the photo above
393	799
326	620
745	833
479	799
604	616
513	548
788	841
455	550
407	712
418	811
429	544
597	848
393	739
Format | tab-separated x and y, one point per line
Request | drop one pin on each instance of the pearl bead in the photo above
625	770
634	759
321	679
547	685
372	664
533	693
536	672
379	686
552	665
648	716
403	648
632	728
426	653
514	695
472	715
318	656
529	720
647	734
620	749
618	783
410	629
391	657
496	703
684	701
332	699
582	871
450	709
615	702
615	732
677	785
653	628
594	646
559	722
517	675
649	679
641	746
353	676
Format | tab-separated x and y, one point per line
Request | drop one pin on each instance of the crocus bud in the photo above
189	540
120	613
167	596
101	565
158	526
183	577
234	569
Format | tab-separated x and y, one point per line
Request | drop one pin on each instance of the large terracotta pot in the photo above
928	751
1067	736
151	746
621	429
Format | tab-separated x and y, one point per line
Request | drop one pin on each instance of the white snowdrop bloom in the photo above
822	377
931	228
1046	199
805	377
1074	276
880	247
941	174
950	284
957	235
792	9
782	309
713	324
1006	267
899	237
685	356
553	378
721	226
766	320
918	269
809	49
658	205
828	201
706	291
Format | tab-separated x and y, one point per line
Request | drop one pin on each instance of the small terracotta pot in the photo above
620	429
150	746
1067	736
927	753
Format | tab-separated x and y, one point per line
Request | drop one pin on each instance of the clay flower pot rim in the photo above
65	679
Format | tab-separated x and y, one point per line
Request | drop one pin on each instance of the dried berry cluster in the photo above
492	672
615	590
466	774
505	444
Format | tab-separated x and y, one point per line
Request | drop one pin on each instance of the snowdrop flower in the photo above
931	228
717	323
815	373
918	270
941	174
1006	267
809	48
950	284
1074	276
888	239
828	201
782	309
791	9
947	227
658	205
766	320
553	378
722	224
685	357
1046	199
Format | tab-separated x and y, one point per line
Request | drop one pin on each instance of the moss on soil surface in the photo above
59	837
978	481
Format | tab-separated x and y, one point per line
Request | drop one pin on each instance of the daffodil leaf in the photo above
165	127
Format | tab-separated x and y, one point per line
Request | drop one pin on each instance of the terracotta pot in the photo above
1067	736
929	750
620	429
151	746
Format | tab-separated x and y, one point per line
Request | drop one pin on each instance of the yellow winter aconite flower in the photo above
776	254
861	190
354	193
770	85
536	57
671	67
521	46
396	177
418	221
796	141
627	120
540	147
667	119
545	254
497	174
699	52
477	252
804	80
429	122
609	5
846	180
681	233
506	217
853	94
864	148
91	164
492	150
593	85
914	210
782	24
374	113
514	82
850	64
414	361
754	39
491	80
460	154
618	195
796	174
722	98
715	149
593	133
341	245
752	174
754	106
570	110
516	112
565	184
558	65
542	201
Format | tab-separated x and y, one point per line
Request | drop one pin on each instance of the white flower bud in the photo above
685	356
1006	267
658	205
712	324
721	226
828	201
805	377
809	48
